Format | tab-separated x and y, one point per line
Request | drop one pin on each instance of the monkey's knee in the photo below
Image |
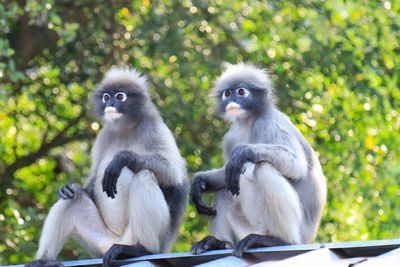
271	204
248	171
60	224
265	169
146	176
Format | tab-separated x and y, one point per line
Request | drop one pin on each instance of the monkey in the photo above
271	190
137	190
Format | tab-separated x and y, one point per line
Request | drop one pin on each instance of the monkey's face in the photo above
113	104
116	101
240	101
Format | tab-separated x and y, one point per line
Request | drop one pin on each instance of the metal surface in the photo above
342	250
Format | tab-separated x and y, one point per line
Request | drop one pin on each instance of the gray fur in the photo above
275	180
151	185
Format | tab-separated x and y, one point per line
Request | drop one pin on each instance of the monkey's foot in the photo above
254	240
44	263
122	252
209	243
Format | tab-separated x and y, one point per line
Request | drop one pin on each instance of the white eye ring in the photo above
120	96
243	92
106	97
226	93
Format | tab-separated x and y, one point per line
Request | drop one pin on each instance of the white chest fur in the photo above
114	211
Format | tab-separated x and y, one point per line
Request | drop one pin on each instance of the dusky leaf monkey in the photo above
134	199
271	190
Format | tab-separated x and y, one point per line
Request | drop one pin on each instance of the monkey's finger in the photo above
209	243
106	189
67	194
203	209
104	182
61	194
114	184
235	181
108	183
207	211
197	190
233	184
244	245
111	255
229	182
228	174
238	252
111	191
106	259
69	187
198	248
68	191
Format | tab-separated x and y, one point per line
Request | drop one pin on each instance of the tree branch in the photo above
29	40
59	140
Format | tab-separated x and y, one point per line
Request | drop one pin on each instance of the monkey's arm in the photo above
207	181
159	165
292	165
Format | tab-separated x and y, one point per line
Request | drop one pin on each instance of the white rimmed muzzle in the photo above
233	111
111	114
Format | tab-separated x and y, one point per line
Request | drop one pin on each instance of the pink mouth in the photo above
111	114
233	108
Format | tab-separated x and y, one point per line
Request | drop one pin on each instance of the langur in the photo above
137	191
271	190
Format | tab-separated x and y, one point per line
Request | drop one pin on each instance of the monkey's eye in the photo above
227	93
106	97
242	92
120	96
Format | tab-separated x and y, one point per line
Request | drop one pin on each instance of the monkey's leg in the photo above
271	206
77	216
221	226
149	220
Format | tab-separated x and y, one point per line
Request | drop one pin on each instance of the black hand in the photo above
110	178
113	171
123	251
66	192
254	240
233	169
199	186
209	243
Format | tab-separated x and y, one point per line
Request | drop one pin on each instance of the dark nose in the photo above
110	103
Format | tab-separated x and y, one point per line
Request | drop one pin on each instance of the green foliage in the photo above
335	65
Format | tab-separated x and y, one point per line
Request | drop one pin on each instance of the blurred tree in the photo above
335	64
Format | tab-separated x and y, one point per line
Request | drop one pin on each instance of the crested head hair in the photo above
130	81
126	76
246	73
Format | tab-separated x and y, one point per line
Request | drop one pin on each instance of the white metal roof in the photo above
382	253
